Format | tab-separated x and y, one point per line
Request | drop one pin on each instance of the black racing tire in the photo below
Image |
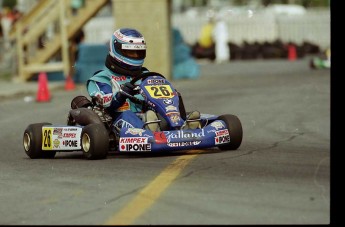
95	141
234	126
32	142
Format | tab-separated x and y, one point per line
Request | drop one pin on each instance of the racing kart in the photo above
89	130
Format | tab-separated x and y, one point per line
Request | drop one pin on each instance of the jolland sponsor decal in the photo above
181	135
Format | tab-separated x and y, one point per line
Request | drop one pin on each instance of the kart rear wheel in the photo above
32	142
235	130
95	141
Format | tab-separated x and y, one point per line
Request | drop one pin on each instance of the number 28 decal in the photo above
47	139
160	91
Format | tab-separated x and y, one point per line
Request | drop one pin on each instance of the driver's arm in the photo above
103	95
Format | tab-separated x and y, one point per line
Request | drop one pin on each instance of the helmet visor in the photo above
134	51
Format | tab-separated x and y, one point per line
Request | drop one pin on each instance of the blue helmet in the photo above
128	48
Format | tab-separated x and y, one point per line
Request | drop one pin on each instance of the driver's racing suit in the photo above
123	112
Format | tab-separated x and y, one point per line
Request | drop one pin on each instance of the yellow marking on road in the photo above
146	197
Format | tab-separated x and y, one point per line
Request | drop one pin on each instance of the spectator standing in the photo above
7	19
206	39
220	36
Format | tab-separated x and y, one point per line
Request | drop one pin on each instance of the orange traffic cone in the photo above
43	94
292	55
69	85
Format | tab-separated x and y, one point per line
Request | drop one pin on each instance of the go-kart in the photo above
91	132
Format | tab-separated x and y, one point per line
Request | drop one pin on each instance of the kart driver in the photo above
127	51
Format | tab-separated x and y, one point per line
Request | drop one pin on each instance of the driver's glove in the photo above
129	88
126	88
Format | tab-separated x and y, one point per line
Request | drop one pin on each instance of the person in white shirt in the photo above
220	36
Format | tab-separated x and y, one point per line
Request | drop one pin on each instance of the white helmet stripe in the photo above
133	46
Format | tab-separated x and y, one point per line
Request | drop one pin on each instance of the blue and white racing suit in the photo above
123	113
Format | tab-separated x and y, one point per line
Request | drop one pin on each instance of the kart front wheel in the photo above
235	130
32	142
95	141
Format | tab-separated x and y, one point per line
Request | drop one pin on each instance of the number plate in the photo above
160	91
61	138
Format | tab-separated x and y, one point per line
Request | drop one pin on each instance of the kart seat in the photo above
151	121
192	121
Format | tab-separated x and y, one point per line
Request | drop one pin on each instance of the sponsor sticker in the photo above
69	135
133	140
170	108
70	143
160	137
56	143
168	102
119	78
184	144
124	107
134	147
155	81
106	99
217	125
123	124
135	131
174	117
222	139
223	132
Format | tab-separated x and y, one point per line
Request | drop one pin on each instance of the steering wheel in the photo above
143	76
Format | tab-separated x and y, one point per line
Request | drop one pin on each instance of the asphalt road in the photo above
279	175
